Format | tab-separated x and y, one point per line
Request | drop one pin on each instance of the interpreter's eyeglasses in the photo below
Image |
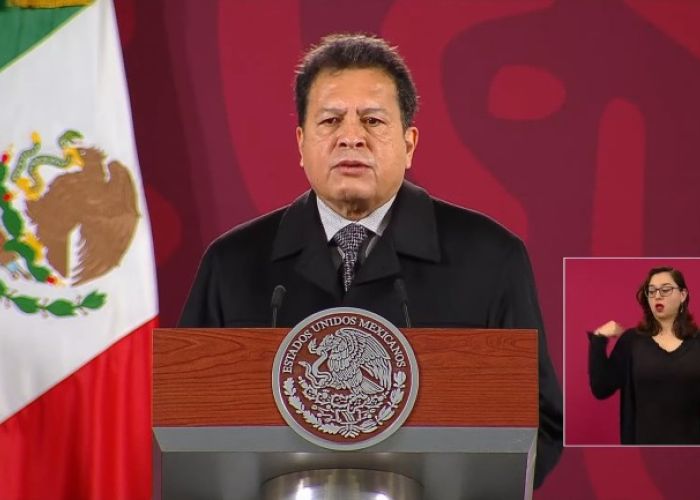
664	291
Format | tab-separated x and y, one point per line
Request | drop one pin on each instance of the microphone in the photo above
276	302
400	287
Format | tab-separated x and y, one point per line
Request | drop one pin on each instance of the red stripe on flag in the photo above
89	437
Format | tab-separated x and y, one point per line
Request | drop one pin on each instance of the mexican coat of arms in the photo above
345	378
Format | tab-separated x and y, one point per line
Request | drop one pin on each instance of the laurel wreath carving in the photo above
369	425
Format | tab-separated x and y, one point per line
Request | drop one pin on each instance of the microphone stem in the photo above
404	306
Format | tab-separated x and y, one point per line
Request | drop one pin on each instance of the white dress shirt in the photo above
376	222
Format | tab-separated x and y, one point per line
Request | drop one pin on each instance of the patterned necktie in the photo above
349	240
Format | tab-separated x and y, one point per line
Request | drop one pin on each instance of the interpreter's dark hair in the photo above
683	326
346	51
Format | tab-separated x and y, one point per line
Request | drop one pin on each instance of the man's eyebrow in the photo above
337	111
364	111
342	111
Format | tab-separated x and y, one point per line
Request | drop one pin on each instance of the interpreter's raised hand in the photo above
610	329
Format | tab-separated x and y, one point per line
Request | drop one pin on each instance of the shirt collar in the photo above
333	222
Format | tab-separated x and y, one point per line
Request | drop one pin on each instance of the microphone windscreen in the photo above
400	287
277	296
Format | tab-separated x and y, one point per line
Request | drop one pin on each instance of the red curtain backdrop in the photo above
572	122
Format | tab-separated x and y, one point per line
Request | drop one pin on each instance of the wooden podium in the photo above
218	434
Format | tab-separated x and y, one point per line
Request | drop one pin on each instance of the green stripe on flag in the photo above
22	29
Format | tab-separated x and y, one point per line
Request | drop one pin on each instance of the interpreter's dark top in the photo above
659	390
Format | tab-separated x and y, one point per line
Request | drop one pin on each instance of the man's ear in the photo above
300	143
410	137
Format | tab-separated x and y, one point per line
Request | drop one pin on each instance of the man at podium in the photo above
363	236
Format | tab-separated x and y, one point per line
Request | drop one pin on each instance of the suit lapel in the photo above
413	229
315	265
381	263
411	232
300	237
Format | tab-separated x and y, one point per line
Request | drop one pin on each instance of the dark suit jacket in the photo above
461	269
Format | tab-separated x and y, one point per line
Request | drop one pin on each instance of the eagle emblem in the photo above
345	378
355	361
66	220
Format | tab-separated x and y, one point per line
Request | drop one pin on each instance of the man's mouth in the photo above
351	164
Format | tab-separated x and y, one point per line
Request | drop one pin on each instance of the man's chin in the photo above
356	206
351	194
351	203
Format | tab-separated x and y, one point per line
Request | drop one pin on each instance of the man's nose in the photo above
352	134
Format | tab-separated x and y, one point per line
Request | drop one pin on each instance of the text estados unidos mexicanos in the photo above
392	344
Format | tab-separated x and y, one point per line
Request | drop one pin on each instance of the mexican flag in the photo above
77	283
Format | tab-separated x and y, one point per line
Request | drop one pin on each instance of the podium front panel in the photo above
218	434
452	463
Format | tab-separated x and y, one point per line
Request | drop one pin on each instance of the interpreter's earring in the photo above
680	309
